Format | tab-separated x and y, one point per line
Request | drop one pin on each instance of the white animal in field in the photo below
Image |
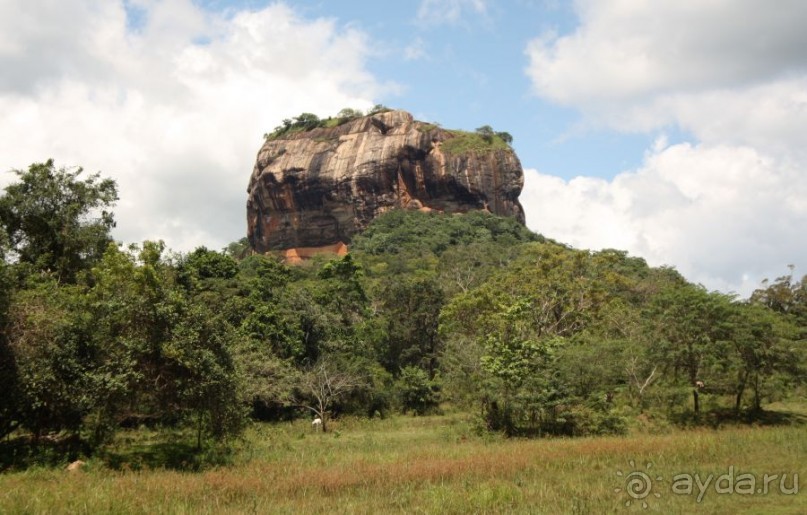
699	384
76	466
316	425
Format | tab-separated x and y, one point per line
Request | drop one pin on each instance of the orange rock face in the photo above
297	255
312	191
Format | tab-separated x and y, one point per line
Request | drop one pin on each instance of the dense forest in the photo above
428	312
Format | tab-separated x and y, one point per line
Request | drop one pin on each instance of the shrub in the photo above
417	392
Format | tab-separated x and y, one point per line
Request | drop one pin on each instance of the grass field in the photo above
436	464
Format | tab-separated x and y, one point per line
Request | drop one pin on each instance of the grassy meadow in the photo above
434	464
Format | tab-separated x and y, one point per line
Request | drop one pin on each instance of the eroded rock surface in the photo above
319	188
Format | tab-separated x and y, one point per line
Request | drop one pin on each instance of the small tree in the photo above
505	136
640	379
203	374
323	385
378	108
307	121
349	113
418	393
486	131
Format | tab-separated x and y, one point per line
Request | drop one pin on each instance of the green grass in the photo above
286	132
335	122
426	127
463	142
439	464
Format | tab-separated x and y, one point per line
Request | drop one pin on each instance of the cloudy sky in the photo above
674	129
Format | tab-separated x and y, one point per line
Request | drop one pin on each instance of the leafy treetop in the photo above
56	221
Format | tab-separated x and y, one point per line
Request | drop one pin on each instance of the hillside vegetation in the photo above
428	314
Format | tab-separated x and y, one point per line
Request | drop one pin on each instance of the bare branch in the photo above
323	385
631	369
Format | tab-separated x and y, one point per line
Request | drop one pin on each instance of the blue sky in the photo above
468	71
673	129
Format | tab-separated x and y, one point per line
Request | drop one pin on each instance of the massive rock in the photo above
318	188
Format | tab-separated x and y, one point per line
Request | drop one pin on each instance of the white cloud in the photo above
438	12
727	209
726	71
175	110
727	217
415	50
636	49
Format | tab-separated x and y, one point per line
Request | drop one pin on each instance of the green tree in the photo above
349	113
268	313
523	320
787	297
523	393
277	331
9	374
166	356
464	267
418	393
691	329
207	264
307	121
53	356
339	290
412	310
378	108
487	133
763	342
201	367
238	250
57	222
505	136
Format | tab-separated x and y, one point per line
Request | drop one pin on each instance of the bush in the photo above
417	392
585	421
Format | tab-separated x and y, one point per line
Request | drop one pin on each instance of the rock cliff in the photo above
318	188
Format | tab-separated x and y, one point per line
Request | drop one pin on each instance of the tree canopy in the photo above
56	221
427	312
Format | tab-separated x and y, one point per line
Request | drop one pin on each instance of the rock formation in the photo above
318	188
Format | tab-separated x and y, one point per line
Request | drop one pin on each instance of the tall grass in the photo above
432	465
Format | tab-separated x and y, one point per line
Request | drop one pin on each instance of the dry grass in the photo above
425	465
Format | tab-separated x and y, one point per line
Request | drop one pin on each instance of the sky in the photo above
673	129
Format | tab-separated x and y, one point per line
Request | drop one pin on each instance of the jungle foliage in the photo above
429	311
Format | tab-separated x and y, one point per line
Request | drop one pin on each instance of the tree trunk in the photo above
738	401
199	432
740	391
693	380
